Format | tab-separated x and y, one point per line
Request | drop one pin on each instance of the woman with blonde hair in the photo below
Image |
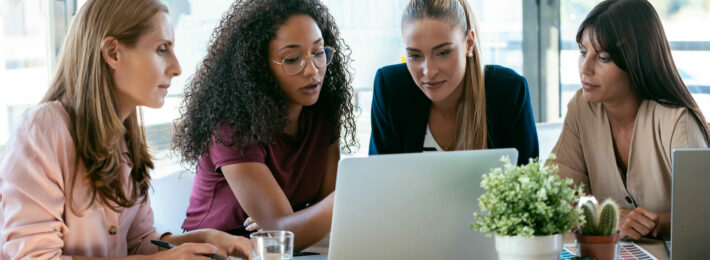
443	98
74	175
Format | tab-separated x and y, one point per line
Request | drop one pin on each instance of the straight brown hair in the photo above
632	33
471	126
84	85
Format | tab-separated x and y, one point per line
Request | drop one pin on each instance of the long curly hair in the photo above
235	87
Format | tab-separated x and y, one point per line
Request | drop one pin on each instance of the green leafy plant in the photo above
600	220
529	200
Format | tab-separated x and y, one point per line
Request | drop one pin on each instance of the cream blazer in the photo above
585	152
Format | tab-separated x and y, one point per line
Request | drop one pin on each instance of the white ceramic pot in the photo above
529	248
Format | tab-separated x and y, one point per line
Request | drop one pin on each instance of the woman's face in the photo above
298	38
602	80
436	56
142	73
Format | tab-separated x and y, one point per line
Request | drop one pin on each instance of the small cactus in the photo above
600	220
590	214
608	222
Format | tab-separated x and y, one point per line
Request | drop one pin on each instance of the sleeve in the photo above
142	231
222	154
383	137
687	134
570	156
32	191
523	133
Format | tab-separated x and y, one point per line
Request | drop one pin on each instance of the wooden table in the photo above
655	247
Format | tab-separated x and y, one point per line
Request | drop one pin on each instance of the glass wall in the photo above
24	55
372	30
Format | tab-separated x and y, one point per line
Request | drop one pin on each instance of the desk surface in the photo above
655	247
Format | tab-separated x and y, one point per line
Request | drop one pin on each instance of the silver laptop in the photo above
690	205
411	206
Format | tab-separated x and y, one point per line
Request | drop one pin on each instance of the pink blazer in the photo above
36	170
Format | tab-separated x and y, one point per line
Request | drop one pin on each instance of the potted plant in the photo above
598	237
529	208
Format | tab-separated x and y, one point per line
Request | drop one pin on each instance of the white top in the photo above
430	144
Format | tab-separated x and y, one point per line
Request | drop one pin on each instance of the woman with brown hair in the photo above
74	176
633	109
443	98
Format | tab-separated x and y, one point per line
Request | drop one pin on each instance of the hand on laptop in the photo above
639	222
251	225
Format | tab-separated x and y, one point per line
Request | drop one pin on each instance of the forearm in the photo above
195	236
132	257
664	222
309	225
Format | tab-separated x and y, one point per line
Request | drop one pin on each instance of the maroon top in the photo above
298	165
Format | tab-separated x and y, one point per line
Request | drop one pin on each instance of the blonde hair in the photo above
471	126
84	85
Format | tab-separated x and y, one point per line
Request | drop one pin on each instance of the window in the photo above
372	31
193	22
681	19
24	59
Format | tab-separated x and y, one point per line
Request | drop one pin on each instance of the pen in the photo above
167	245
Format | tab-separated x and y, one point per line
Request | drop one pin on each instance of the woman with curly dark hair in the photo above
262	118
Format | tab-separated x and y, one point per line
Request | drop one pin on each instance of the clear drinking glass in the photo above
272	245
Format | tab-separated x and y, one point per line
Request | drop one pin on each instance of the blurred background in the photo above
536	38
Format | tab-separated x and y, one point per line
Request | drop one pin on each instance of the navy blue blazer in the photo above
400	112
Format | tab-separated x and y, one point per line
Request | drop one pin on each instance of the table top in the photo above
653	246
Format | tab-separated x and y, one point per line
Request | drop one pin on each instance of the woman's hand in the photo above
638	222
251	225
187	251
229	244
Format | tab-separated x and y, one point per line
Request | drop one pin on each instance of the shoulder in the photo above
499	75
224	150
49	119
506	91
504	84
394	71
670	118
677	126
393	78
395	89
42	132
663	113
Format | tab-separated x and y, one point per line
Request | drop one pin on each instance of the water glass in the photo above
272	245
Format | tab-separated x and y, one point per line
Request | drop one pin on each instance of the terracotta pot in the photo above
598	247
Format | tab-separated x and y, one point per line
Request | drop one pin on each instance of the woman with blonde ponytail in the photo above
74	175
443	98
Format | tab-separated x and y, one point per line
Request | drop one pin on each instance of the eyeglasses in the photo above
294	63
